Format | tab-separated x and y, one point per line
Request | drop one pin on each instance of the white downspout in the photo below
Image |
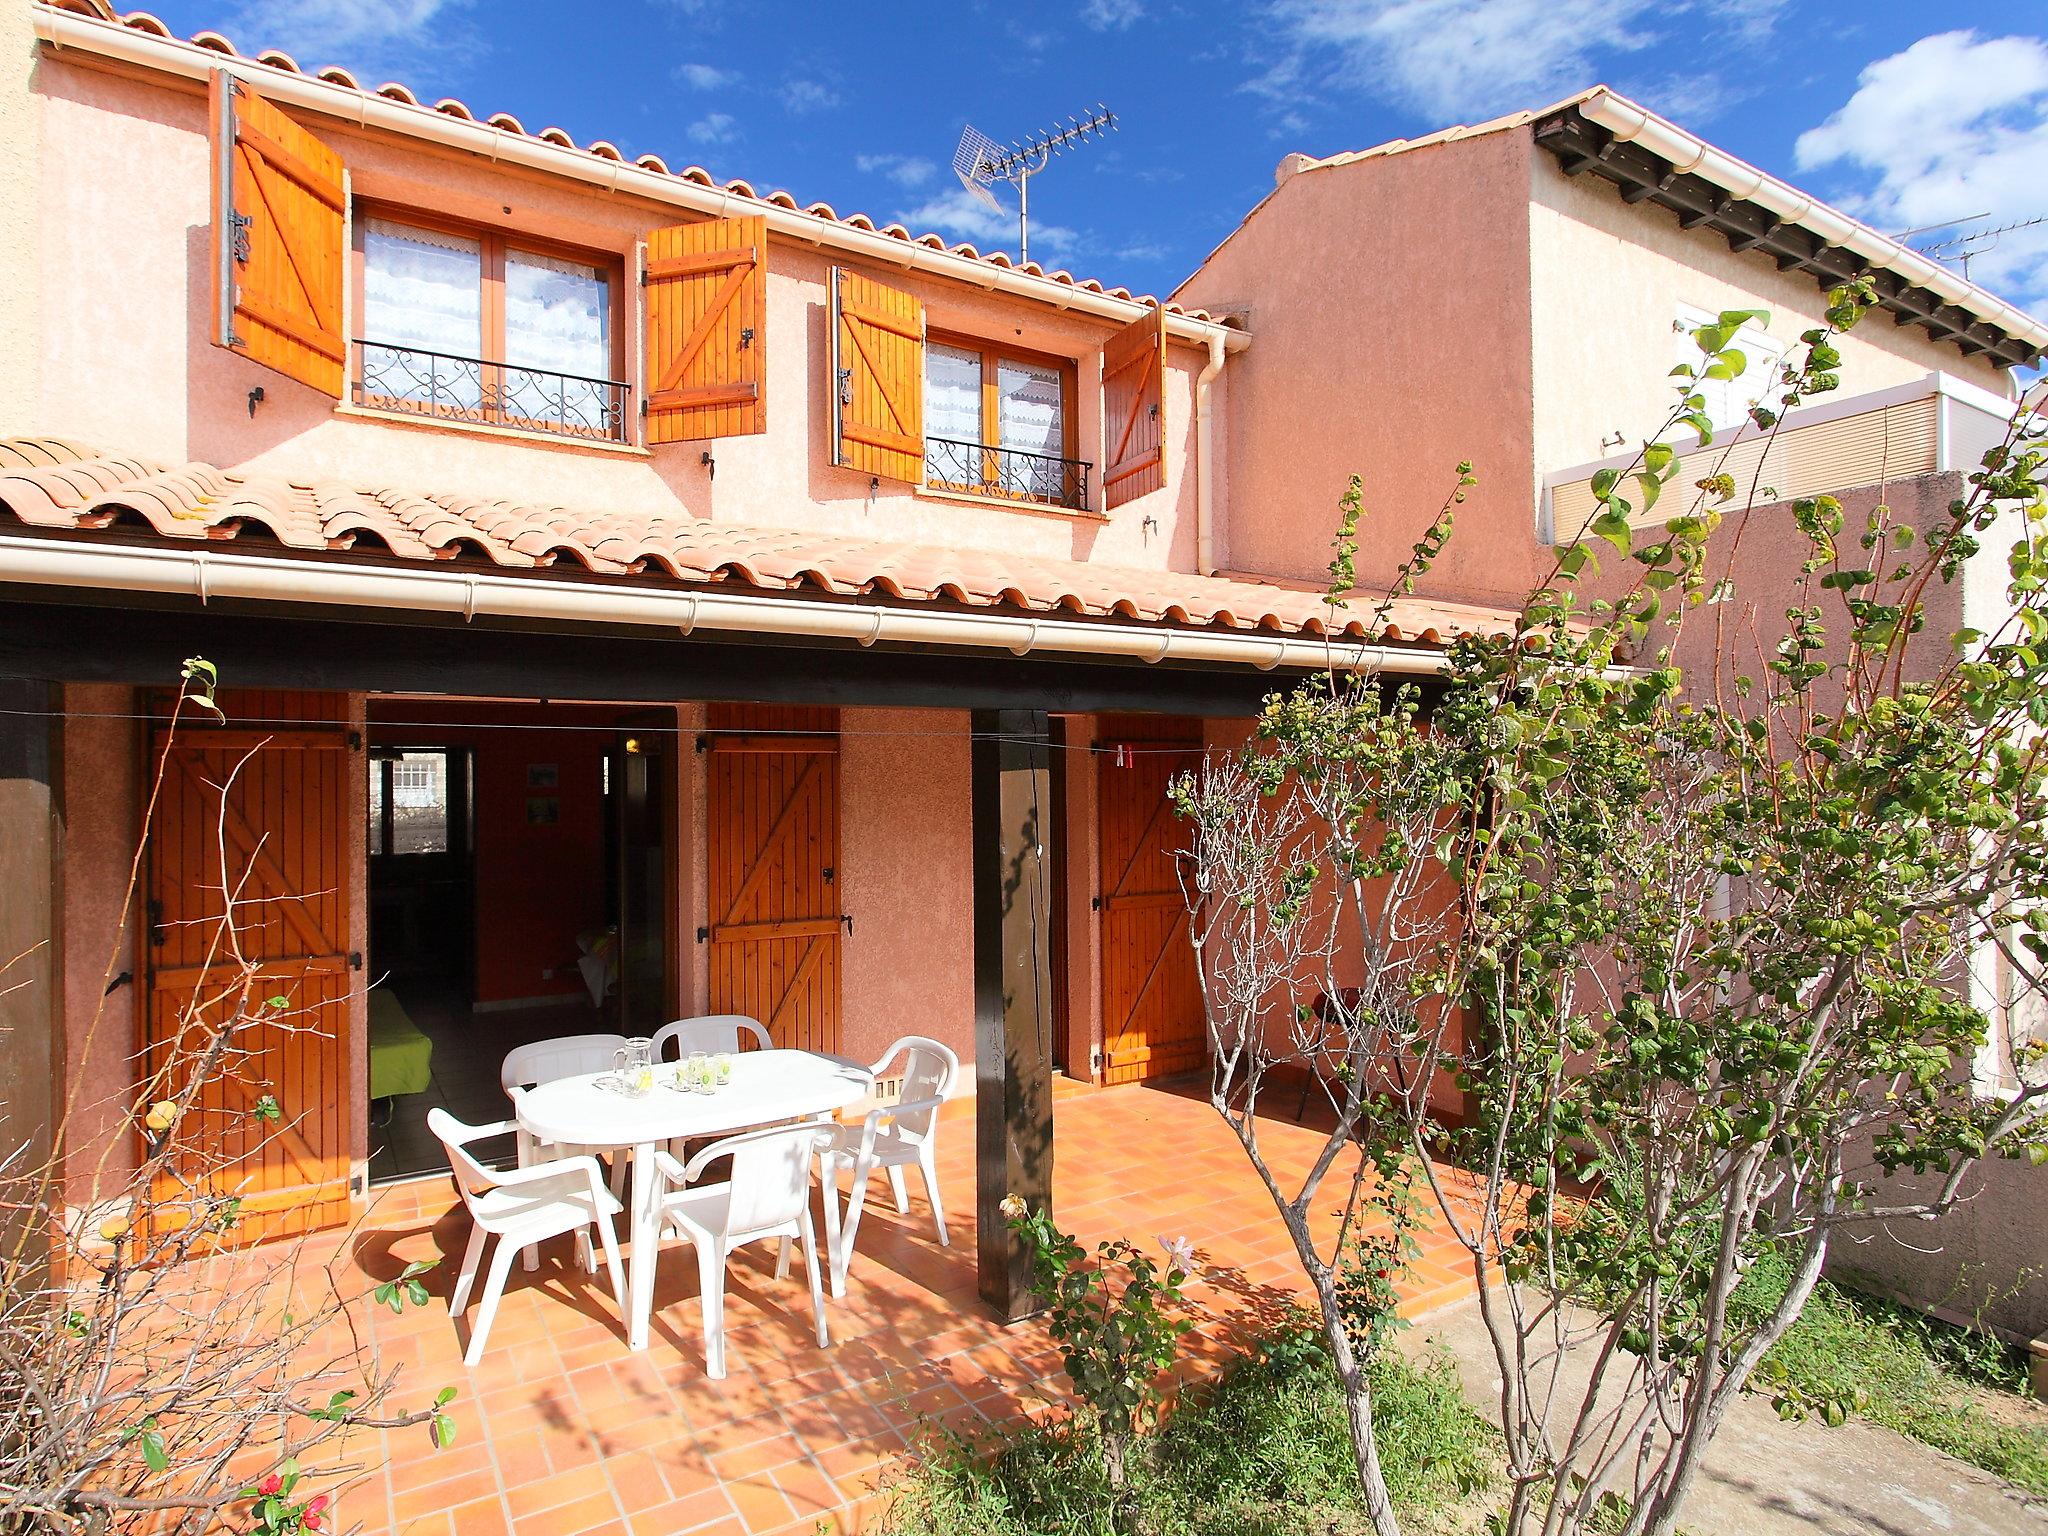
1205	513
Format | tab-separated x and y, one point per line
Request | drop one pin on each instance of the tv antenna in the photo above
980	162
1961	247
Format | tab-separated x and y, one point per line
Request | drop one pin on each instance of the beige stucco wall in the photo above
1607	280
1388	301
126	311
20	214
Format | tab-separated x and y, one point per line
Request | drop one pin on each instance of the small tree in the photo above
151	1372
1691	950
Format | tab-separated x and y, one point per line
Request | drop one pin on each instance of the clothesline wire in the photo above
198	729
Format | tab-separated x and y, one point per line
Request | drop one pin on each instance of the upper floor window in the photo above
468	326
1001	424
1728	400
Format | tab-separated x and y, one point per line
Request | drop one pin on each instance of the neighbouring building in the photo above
1515	294
648	595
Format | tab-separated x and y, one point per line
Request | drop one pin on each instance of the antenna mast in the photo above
980	161
1975	242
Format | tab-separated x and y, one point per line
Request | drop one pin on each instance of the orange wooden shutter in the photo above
707	329
773	856
280	206
1152	1019
1134	409
266	813
877	377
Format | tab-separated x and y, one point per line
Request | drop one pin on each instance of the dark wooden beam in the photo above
31	1006
363	651
1641	176
1751	239
1013	990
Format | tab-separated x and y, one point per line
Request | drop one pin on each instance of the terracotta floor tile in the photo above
562	1430
684	1517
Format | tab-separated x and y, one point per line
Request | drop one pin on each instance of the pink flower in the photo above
269	1485
1180	1254
310	1517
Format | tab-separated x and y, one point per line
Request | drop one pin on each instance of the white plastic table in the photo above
766	1086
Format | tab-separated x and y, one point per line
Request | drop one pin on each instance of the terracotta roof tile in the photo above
54	484
143	21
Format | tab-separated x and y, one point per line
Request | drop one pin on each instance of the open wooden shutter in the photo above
1152	1019
280	208
266	814
773	857
1134	409
707	329
877	377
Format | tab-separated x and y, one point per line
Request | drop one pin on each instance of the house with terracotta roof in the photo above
1515	293
637	595
645	596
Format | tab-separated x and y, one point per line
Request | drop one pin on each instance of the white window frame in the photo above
1728	400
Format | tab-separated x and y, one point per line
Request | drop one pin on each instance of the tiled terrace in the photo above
564	1431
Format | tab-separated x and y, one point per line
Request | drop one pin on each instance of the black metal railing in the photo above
983	469
451	388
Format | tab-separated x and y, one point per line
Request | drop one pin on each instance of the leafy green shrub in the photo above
1115	1316
1264	1451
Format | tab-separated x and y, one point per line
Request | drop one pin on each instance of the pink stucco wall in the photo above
102	816
1388	302
128	364
906	839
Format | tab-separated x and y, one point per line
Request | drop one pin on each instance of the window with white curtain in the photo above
423	314
468	326
999	424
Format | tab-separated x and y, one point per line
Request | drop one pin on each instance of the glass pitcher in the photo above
633	1063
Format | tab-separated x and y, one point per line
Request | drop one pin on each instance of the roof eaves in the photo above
1652	159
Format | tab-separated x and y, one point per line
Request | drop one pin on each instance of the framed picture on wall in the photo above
543	776
543	810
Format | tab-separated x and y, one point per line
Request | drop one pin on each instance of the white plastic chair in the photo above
544	1061
893	1137
711	1033
767	1195
521	1207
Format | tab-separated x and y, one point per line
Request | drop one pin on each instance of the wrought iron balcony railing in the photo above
985	470
452	388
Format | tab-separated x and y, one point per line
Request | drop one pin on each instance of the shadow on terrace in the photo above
563	1429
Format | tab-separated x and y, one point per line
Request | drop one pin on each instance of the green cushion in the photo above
401	1058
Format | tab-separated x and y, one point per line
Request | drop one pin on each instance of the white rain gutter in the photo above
199	573
1205	516
1633	124
110	40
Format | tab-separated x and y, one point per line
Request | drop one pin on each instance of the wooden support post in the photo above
31	1016
1013	1001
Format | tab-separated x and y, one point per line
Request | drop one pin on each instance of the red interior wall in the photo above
537	886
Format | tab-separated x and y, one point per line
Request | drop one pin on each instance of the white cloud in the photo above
1112	15
715	128
904	170
1954	126
800	96
959	215
1465	60
377	38
706	77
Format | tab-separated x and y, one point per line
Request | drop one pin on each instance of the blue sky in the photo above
1905	113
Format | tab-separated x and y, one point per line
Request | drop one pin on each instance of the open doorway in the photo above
520	888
